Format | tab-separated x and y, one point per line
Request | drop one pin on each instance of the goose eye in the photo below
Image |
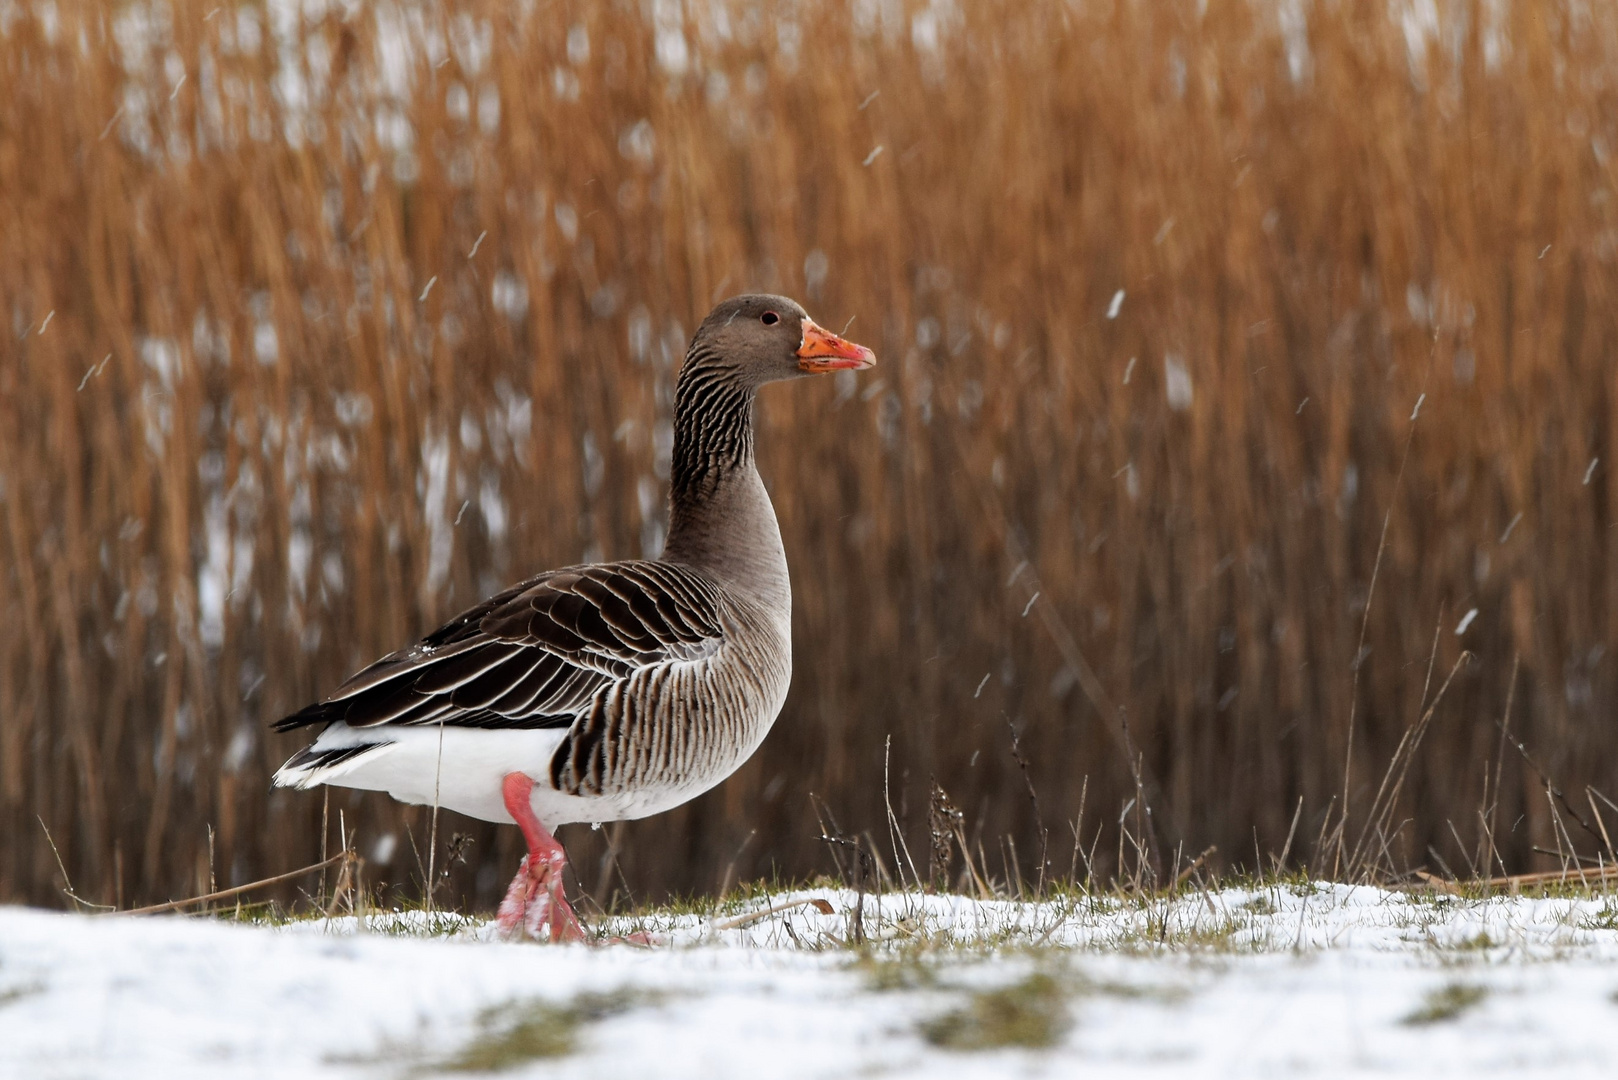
769	318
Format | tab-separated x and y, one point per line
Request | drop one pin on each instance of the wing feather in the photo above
535	655
447	674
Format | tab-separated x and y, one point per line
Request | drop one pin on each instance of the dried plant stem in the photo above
1360	655
895	833
67	883
341	858
432	835
1387	795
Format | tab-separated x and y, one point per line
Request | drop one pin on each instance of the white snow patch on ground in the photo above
1276	981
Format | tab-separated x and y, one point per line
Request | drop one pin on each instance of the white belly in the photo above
462	769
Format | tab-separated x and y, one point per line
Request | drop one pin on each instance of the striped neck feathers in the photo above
713	427
720	517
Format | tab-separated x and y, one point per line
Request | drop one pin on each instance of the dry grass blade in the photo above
749	919
343	859
1387	796
1193	866
1517	882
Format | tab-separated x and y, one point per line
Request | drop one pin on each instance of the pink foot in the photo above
535	898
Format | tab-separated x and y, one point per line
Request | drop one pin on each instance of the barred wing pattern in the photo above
540	655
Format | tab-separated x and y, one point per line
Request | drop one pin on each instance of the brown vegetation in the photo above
321	329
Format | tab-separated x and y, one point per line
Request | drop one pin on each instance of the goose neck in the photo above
721	519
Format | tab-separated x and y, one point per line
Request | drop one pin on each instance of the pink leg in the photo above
535	897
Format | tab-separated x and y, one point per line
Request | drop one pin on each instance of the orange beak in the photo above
823	351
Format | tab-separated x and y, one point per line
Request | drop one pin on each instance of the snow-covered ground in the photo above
1276	981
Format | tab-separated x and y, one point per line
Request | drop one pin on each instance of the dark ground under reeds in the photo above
1194	320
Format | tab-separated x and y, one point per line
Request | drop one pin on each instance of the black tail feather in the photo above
321	712
312	758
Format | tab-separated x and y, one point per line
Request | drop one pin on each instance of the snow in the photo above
1278	980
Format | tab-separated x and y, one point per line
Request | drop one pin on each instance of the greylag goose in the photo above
610	691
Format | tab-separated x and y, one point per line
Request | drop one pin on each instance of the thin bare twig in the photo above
897	834
1033	797
749	919
343	856
1514	882
1365	618
1590	794
1286	849
1196	863
1555	791
432	837
67	884
1387	794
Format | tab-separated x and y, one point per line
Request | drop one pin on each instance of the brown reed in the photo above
324	326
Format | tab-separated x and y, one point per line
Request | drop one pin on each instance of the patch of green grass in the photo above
10	995
740	899
408	919
906	971
1031	1013
1185	929
1431	933
513	1035
1259	905
1446	1003
1299	883
1163	995
1478	942
1215	937
418	923
1606	918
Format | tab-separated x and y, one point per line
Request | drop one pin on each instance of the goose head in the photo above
763	338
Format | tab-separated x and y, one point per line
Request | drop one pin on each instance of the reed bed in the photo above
1240	365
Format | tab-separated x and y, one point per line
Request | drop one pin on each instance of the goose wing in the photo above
535	655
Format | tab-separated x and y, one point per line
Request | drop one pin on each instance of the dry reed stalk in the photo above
376	311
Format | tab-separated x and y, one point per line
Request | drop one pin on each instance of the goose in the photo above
610	691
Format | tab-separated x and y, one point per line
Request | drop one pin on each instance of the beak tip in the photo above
823	351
